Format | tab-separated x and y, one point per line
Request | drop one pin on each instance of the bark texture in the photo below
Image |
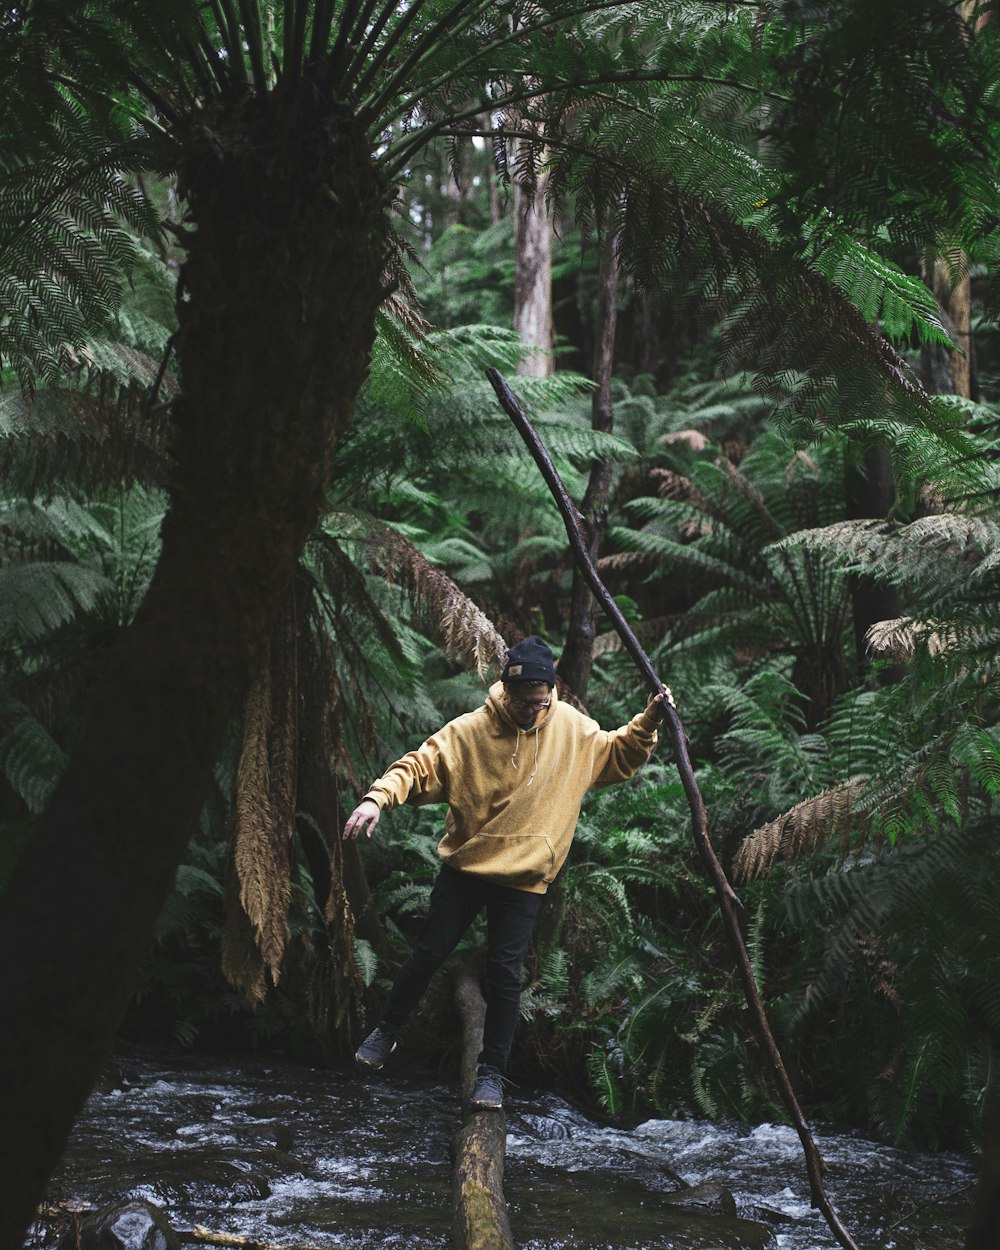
533	278
280	288
479	1146
954	295
984	1233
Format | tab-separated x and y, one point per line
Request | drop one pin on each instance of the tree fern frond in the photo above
932	551
38	599
798	832
81	437
882	292
663	549
456	623
671	485
66	242
30	758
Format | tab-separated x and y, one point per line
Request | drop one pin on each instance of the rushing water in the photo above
302	1157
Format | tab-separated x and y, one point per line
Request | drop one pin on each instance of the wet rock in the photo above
112	1078
708	1198
208	1176
131	1225
271	1133
769	1215
624	1212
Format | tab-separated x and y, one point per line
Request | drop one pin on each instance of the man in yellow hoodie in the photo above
513	773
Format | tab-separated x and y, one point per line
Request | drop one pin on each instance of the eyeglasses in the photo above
530	705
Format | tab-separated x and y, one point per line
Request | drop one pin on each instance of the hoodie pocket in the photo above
520	859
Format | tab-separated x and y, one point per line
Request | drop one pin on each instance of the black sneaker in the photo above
377	1047
487	1093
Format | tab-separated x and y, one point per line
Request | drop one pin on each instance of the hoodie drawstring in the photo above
517	747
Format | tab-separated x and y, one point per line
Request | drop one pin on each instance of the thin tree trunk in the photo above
533	278
577	658
282	283
954	295
478	1148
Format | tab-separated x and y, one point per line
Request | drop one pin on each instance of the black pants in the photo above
456	900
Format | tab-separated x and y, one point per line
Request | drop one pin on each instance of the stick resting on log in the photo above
479	1146
728	902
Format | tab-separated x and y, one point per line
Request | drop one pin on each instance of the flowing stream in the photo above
304	1157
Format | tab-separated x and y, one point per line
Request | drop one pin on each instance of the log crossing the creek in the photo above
478	1148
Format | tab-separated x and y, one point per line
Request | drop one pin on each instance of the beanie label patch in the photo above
515	670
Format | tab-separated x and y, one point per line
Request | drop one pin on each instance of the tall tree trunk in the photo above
578	652
533	278
984	1233
282	282
954	295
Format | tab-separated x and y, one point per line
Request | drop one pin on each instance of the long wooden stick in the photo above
728	902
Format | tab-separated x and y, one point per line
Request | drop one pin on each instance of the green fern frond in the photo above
605	1081
366	960
82	438
881	292
31	760
69	214
38	599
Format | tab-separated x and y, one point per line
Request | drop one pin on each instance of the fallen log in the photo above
217	1237
479	1146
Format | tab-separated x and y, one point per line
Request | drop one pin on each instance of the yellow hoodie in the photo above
514	794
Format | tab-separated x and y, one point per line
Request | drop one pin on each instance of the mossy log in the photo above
478	1148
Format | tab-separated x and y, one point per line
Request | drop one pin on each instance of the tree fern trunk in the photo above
280	288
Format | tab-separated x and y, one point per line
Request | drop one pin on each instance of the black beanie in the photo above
530	660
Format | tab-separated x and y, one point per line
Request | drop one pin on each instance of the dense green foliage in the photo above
779	191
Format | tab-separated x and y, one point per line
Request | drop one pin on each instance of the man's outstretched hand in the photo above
656	701
364	818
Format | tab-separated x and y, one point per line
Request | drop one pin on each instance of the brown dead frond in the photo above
695	440
625	561
894	639
799	463
460	628
898	639
798	831
671	485
742	486
263	815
